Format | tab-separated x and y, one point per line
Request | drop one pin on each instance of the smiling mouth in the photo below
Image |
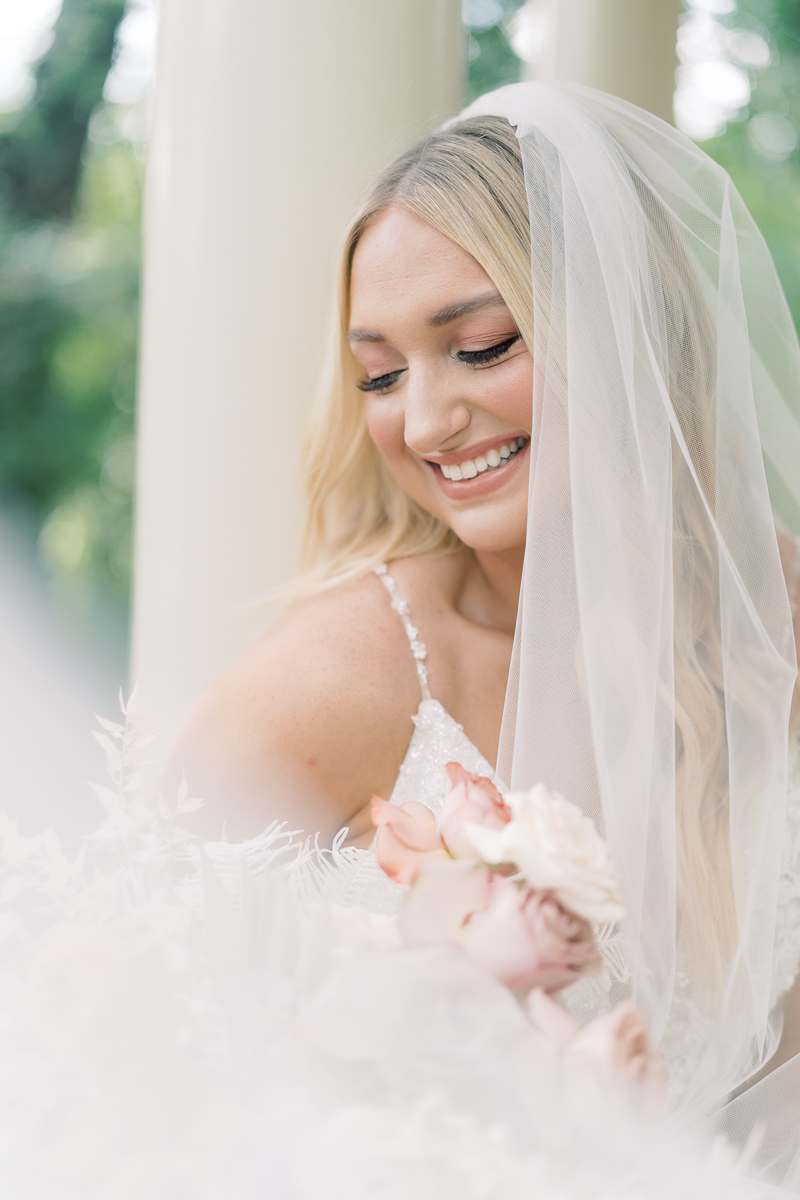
482	464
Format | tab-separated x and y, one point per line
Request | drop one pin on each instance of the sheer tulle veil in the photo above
654	661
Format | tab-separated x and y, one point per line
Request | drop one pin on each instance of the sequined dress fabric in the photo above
437	739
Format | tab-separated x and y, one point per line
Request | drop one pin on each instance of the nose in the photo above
435	412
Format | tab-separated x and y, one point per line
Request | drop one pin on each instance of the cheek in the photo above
511	396
386	427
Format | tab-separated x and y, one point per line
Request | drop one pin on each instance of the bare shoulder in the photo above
309	723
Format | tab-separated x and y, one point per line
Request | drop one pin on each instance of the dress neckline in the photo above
438	737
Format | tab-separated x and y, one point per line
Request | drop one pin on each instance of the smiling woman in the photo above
557	428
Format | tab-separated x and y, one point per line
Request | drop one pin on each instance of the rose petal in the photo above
616	1047
556	847
444	895
469	803
456	774
412	823
488	844
550	1018
526	940
498	939
456	814
560	935
400	861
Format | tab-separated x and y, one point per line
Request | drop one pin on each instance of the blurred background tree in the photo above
738	95
492	59
70	189
71	152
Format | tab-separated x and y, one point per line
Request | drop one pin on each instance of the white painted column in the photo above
271	116
625	47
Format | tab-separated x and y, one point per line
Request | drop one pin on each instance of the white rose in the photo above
556	848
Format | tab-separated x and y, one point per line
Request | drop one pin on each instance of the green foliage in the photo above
40	154
786	19
491	59
69	279
770	186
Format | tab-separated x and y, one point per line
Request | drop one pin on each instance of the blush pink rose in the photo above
472	800
444	896
407	837
527	940
616	1047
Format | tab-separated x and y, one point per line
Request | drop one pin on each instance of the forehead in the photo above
401	260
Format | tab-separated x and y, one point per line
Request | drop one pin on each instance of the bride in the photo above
558	429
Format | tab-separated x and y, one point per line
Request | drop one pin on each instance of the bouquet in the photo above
520	883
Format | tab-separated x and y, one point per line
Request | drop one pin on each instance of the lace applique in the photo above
437	739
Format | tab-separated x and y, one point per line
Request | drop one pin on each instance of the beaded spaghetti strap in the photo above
400	606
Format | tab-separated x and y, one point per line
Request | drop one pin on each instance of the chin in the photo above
491	537
495	525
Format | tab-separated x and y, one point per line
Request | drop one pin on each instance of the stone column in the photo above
626	47
271	116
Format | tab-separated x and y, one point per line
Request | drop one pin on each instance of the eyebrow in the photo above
443	317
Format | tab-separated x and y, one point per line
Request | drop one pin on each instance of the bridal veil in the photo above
654	661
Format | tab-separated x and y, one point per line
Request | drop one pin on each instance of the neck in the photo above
490	589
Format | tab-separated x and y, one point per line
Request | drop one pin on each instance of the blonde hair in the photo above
467	182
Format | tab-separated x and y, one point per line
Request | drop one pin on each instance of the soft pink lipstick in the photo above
480	468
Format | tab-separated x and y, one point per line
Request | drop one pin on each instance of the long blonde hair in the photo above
467	182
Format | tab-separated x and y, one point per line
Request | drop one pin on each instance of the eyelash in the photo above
476	358
473	358
381	384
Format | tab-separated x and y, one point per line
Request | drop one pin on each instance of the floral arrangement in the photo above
520	883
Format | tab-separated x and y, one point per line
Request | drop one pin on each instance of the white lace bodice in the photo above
437	738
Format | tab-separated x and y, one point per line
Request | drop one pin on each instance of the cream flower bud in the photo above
557	849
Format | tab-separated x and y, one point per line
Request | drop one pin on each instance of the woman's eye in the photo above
382	383
477	358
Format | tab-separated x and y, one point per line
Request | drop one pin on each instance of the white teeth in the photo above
483	462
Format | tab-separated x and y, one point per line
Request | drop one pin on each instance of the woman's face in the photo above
448	381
